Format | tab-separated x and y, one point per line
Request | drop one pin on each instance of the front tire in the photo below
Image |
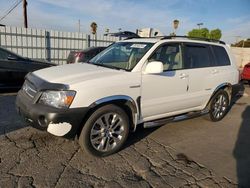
219	106
105	131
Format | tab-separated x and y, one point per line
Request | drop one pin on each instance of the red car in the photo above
246	73
83	55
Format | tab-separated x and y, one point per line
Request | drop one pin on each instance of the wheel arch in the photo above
123	101
225	86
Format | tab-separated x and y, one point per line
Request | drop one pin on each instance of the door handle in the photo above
183	76
215	71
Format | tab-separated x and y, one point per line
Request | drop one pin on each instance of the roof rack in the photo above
193	38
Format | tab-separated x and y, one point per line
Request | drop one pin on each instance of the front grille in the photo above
29	89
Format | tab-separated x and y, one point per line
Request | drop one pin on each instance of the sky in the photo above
231	16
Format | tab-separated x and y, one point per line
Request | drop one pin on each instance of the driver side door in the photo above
165	94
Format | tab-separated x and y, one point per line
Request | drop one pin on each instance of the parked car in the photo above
141	81
13	68
83	55
245	76
123	34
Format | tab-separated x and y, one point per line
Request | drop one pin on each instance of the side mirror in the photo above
154	67
10	57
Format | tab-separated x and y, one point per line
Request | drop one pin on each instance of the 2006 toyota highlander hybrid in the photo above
146	81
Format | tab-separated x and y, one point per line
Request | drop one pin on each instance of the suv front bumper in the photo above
60	122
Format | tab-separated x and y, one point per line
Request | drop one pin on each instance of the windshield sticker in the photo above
138	46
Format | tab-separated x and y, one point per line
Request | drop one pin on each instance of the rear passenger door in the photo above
200	63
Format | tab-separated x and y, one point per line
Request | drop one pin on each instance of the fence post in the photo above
47	46
88	41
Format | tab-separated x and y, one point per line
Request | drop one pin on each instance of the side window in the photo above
3	54
170	55
221	56
197	56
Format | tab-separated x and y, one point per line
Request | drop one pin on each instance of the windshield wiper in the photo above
107	66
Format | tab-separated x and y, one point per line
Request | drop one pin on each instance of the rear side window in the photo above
221	56
197	56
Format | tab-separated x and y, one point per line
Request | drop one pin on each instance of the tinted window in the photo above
221	56
197	56
170	55
3	54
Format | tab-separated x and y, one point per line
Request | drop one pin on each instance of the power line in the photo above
11	9
15	1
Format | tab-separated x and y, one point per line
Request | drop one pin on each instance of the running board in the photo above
164	121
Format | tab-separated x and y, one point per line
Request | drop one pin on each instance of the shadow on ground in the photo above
9	119
242	150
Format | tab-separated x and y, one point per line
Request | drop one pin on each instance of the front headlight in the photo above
58	99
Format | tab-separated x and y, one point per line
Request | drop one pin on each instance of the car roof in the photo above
176	39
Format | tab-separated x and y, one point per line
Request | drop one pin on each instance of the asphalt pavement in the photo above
189	153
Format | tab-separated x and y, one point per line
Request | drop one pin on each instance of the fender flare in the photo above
128	101
223	85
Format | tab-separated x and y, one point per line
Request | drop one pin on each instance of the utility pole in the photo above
25	13
199	25
79	26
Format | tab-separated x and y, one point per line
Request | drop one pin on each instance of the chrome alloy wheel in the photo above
107	132
220	106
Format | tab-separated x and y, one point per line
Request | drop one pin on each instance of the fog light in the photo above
42	121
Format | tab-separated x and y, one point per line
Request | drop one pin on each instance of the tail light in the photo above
240	75
78	56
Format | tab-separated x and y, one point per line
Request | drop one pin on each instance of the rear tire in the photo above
219	106
105	131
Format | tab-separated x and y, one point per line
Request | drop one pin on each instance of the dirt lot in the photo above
190	153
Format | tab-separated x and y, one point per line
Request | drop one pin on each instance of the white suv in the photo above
146	81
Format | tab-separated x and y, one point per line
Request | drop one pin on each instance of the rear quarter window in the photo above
221	56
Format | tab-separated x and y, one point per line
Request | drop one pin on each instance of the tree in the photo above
215	34
204	33
93	26
242	44
200	33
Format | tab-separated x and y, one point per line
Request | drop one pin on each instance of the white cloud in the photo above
114	14
239	31
128	15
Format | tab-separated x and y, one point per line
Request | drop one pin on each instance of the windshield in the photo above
122	55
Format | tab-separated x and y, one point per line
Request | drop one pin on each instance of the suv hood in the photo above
74	73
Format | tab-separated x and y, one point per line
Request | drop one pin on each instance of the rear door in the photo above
202	73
